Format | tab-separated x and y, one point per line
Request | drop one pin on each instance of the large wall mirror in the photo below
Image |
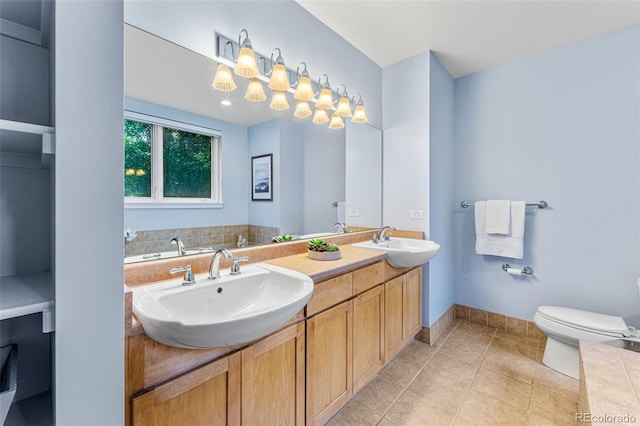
320	176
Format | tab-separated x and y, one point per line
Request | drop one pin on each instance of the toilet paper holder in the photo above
527	270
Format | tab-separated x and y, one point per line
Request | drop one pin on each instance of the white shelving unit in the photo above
26	144
26	294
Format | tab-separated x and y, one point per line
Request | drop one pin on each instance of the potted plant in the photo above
282	238
321	250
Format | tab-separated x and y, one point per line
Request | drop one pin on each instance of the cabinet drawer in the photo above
329	293
368	277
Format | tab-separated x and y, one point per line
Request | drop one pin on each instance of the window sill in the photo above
135	206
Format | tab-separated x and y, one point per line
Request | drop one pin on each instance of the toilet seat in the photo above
590	322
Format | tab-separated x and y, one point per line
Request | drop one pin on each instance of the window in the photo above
170	163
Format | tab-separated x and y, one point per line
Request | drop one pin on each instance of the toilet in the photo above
565	327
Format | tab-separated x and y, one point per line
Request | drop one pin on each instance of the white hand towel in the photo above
497	218
511	245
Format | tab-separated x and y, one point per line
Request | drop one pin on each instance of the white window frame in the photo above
157	199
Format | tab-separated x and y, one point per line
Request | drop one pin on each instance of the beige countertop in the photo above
609	384
352	258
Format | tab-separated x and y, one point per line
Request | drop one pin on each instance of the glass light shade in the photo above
223	79
344	108
303	110
279	79
320	116
325	100
255	92
359	115
246	65
279	101
336	122
304	90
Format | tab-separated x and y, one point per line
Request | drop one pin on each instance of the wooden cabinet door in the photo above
273	379
412	301
329	362
208	395
368	336
393	318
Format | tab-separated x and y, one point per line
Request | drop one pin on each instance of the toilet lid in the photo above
584	320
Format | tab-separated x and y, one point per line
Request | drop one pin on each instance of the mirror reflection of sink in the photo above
227	311
404	252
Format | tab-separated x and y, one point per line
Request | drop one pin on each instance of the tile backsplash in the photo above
158	241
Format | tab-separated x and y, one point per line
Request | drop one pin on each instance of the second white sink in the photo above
230	310
404	252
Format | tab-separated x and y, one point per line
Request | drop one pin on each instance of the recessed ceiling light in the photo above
225	102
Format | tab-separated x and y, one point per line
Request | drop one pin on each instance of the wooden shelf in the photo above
26	294
26	144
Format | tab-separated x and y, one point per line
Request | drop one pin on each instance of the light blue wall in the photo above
235	176
561	126
292	177
406	150
324	176
442	170
264	138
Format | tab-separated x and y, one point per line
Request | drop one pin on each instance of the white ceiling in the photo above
469	36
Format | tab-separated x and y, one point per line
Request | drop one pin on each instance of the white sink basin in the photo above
404	252
227	311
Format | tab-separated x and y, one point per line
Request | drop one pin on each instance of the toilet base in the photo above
562	357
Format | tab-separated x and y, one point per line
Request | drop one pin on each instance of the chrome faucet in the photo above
381	237
341	227
176	240
214	267
188	279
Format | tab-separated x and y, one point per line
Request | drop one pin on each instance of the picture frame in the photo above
262	178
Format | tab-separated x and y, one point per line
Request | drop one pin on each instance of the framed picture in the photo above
262	178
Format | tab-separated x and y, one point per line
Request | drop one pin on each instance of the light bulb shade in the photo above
279	78
336	122
303	110
279	101
344	108
304	90
223	79
246	65
320	116
255	92
359	115
325	100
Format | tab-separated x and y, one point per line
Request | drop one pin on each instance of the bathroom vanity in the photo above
361	314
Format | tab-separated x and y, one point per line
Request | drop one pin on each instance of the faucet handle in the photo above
235	268
188	279
375	239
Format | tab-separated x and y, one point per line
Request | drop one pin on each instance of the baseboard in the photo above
430	334
513	325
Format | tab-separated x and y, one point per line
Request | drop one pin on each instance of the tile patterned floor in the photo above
473	375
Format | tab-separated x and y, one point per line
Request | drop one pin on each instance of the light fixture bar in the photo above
264	62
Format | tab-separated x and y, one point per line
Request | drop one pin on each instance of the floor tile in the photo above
354	414
504	388
479	409
412	409
379	395
417	353
400	372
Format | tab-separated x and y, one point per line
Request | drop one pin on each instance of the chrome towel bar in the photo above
540	204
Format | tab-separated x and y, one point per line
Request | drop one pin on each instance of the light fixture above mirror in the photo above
278	80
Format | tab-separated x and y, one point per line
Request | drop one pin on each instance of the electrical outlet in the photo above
416	214
354	213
